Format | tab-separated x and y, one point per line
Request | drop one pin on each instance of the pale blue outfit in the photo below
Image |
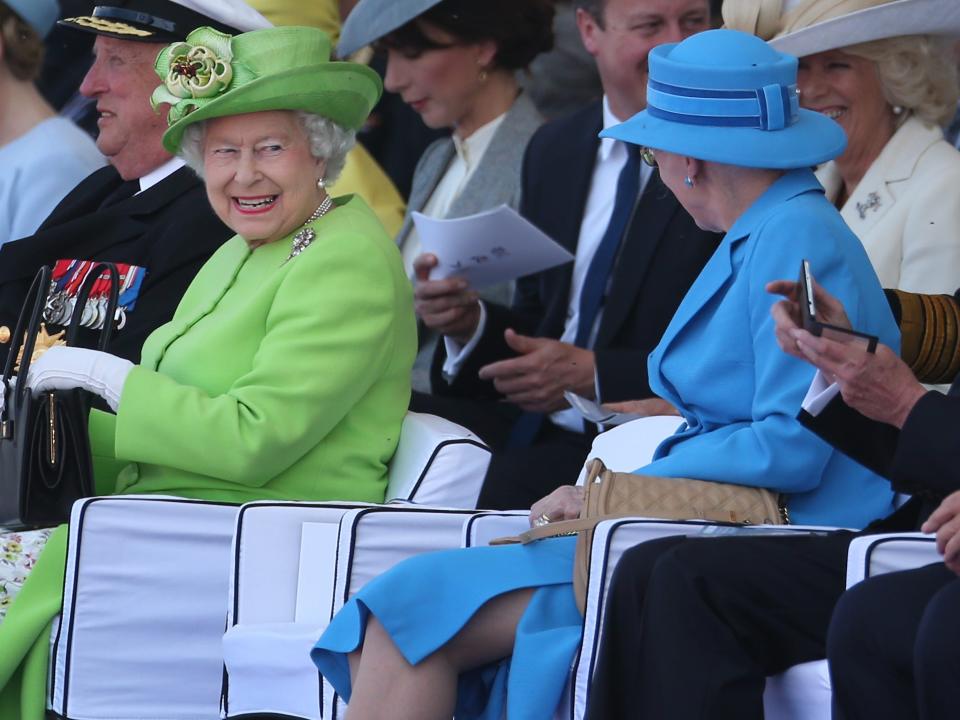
740	410
38	169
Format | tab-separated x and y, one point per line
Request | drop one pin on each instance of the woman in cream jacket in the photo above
892	85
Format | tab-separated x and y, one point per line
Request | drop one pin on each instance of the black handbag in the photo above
45	459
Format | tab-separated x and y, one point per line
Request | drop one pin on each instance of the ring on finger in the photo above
542	519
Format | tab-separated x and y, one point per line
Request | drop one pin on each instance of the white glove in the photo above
63	368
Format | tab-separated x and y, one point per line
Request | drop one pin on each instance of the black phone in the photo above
808	316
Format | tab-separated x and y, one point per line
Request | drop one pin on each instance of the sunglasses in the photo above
648	156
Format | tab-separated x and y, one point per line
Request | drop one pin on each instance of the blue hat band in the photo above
772	107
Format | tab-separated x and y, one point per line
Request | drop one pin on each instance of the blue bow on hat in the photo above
728	97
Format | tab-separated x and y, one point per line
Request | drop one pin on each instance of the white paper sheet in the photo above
491	247
596	413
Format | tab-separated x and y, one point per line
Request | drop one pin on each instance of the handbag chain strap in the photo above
28	325
29	321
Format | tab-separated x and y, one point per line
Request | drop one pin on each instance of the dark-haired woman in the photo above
456	65
42	156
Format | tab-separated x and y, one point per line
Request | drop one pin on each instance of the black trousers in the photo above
693	626
517	476
894	647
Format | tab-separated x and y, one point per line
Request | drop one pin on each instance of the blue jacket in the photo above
740	406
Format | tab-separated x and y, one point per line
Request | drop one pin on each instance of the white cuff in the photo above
457	354
819	394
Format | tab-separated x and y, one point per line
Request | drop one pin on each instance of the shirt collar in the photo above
473	148
609	120
160	173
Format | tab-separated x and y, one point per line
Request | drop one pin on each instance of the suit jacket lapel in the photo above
574	188
427	175
873	198
518	125
655	206
715	274
160	195
571	193
85	198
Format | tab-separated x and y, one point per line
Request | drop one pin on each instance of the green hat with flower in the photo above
212	74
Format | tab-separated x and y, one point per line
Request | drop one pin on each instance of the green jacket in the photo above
276	378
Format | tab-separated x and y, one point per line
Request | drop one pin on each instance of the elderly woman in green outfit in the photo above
285	372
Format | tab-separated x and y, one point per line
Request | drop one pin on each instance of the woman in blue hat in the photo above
434	635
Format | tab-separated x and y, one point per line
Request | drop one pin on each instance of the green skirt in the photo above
25	634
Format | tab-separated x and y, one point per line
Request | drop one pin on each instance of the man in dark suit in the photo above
586	328
145	209
693	627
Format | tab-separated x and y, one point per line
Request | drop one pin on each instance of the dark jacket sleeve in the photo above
622	374
927	457
922	459
523	316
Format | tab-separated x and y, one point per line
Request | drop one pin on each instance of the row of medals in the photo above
59	309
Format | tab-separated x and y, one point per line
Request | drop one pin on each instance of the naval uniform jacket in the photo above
662	253
169	229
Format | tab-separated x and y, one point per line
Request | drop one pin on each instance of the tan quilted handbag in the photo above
609	494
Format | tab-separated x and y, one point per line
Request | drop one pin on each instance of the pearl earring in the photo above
897	110
322	183
688	181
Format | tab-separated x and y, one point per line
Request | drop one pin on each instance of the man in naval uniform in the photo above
145	209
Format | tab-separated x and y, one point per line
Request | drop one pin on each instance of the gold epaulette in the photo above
930	336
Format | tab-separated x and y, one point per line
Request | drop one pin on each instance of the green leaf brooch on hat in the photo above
196	71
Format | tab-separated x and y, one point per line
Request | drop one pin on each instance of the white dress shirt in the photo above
160	173
611	157
466	160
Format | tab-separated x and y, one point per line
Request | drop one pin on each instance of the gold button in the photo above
4	334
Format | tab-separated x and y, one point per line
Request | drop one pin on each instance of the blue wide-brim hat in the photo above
728	97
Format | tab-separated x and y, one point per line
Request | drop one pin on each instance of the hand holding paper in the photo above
446	306
491	247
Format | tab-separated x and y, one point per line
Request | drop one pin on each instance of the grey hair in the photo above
328	141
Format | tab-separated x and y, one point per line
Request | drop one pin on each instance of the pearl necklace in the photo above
306	235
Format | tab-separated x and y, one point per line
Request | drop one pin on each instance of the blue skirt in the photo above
423	602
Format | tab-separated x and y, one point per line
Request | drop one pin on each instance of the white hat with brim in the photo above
164	21
892	19
726	96
370	20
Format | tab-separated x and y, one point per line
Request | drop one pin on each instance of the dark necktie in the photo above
124	190
527	426
601	266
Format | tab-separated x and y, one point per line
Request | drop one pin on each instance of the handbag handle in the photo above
37	294
83	295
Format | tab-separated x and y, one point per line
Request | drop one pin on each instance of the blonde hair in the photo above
917	72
